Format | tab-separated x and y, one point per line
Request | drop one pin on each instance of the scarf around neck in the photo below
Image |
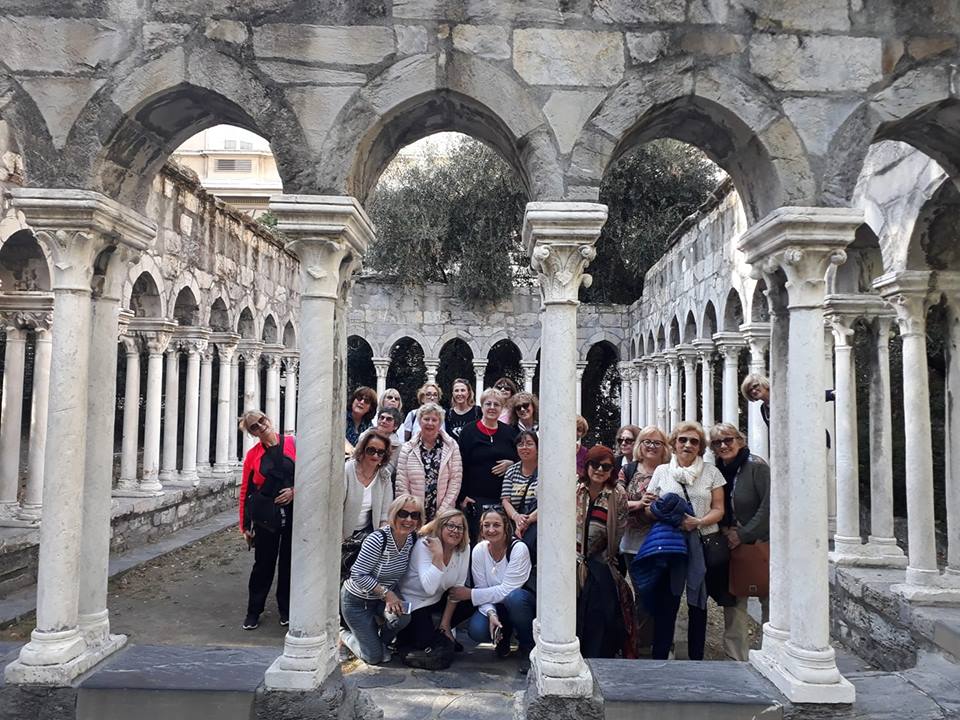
686	475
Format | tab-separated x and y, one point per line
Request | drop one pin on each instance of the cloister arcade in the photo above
810	114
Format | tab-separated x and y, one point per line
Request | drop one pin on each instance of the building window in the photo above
233	165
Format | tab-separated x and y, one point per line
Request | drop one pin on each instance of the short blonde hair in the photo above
519	399
753	379
583	427
490	393
404	499
652	432
421	393
689	426
435	526
430	408
251	417
725	427
399	397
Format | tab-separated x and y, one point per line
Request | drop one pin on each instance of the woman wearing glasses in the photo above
626	443
428	393
368	492
429	465
701	485
507	389
525	411
746	519
266	514
370	601
605	622
360	413
440	561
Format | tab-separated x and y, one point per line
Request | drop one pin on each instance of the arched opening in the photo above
759	309
289	336
246	325
674	332
503	360
709	326
456	361
23	266
600	393
219	317
690	328
270	334
145	297
732	312
407	370
186	309
360	369
661	344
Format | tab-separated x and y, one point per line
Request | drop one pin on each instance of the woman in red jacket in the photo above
266	514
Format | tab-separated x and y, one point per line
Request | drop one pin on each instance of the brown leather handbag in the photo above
750	570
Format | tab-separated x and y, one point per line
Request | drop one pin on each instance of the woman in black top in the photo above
462	410
487	450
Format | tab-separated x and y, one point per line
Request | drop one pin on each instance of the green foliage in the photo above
455	219
268	219
648	192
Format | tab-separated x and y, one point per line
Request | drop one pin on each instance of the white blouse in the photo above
424	583
700	492
493	580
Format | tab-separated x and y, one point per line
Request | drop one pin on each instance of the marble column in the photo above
676	401
626	370
205	411
688	356
729	345
290	364
560	238
639	393
651	400
479	370
171	413
580	368
951	287
382	366
86	231
11	417
194	344
757	336
830	424
663	416
910	292
131	412
272	404
433	364
234	406
794	248
329	236
529	370
705	349
31	509
250	352
226	346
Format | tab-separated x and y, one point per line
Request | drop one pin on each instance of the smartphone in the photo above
498	634
406	607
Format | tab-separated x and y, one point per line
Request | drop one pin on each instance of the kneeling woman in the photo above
440	561
370	595
501	568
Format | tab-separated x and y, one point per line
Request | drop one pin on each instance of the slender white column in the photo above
729	344
131	414
193	343
673	362
803	243
11	418
560	238
479	370
250	353
705	349
529	370
757	336
171	413
651	399
433	364
581	366
329	236
688	356
226	345
234	400
639	406
952	460
290	398
32	506
272	405
830	423
625	369
847	541
156	346
382	366
663	417
203	419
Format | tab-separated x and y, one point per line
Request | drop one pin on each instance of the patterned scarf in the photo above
686	475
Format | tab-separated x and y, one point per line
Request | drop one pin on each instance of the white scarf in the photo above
686	475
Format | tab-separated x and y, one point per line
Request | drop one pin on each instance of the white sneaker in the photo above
348	642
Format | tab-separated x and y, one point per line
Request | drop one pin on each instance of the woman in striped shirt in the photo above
369	596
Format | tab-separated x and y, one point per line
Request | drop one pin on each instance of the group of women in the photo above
440	528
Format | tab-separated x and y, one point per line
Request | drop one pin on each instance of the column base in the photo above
9	511
138	491
852	552
773	666
183	480
14	518
30	513
939	590
58	658
558	668
533	704
306	663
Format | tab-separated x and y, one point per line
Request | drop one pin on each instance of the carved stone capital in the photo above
250	351
729	345
225	344
291	363
192	340
155	333
705	348
381	366
625	367
909	293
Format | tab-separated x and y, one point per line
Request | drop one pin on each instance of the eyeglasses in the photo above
455	529
653	444
684	440
404	514
363	400
722	442
385	418
492	404
604	467
503	387
259	425
523	407
430	394
528	445
625	440
374	452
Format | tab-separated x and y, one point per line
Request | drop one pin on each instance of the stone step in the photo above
156	682
684	690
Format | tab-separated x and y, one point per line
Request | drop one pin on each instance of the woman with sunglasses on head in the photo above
464	410
368	492
605	621
429	465
266	514
428	393
507	389
370	601
525	411
701	485
626	439
487	451
440	561
746	520
501	568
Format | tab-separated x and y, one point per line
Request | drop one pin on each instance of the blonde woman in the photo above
428	392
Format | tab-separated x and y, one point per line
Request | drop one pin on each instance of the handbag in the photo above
349	550
438	655
750	570
716	558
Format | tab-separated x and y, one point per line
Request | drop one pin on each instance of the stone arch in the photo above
290	335
407	371
759	310
651	346
732	312
601	336
128	129
728	114
456	360
933	243
488	342
533	352
674	338
633	348
247	324
146	296
415	335
220	316
270	333
24	264
150	266
689	328
708	323
186	307
360	368
503	359
661	339
25	132
454	334
415	97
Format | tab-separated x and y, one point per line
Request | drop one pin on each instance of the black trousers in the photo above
419	633
268	548
666	606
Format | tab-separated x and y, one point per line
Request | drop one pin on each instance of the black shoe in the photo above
502	648
523	666
284	620
252	622
457	646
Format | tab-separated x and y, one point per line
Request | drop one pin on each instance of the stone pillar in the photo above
952	459
234	409
479	370
31	508
290	364
909	293
131	413
81	231
757	336
639	413
11	417
688	356
433	364
729	344
171	413
249	351
705	349
625	369
830	424
329	236
272	404
194	343
382	366
663	417
560	238
581	366
675	400
226	345
203	419
651	400
529	370
794	247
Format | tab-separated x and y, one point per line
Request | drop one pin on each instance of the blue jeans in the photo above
367	622
516	614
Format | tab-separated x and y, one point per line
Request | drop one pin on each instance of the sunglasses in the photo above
605	467
259	425
363	400
374	452
684	440
503	387
625	440
523	406
404	514
722	442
